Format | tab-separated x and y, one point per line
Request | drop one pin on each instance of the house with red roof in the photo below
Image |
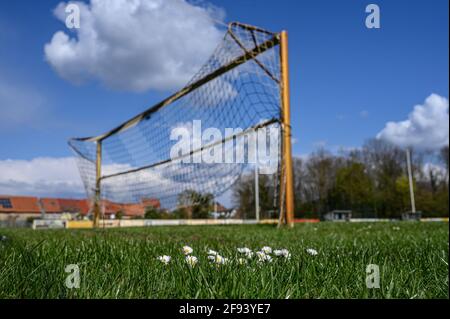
18	209
110	209
15	209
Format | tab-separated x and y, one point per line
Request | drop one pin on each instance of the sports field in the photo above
123	263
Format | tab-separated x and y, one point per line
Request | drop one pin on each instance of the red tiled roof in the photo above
133	209
25	204
21	204
50	205
74	205
110	207
62	205
146	202
220	208
129	209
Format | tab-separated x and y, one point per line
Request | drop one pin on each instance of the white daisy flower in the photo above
244	250
187	250
266	250
212	252
263	257
249	255
278	252
286	254
242	261
312	251
191	261
212	258
282	253
164	259
219	260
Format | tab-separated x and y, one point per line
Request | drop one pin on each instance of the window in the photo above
5	202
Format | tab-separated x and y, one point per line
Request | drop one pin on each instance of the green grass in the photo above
121	263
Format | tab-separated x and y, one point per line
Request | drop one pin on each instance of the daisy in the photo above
244	250
219	260
312	251
282	253
277	252
242	261
191	261
263	257
212	252
187	250
164	259
266	250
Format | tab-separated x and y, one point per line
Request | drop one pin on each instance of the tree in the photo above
244	195
197	205
119	214
371	181
320	179
152	213
354	189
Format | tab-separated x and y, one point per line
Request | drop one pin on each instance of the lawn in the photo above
122	263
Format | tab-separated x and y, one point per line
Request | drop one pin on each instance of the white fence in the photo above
74	224
48	224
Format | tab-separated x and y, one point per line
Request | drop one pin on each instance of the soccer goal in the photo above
241	91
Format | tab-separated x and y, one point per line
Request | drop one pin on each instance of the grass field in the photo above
122	263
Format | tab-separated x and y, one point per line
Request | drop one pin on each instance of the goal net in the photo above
199	139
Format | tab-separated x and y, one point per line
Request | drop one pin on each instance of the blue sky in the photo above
347	81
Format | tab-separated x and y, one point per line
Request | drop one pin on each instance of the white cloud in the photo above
59	177
42	176
426	127
19	105
136	45
435	169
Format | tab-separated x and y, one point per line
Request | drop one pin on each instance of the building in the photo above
61	208
17	210
220	211
23	208
338	216
111	210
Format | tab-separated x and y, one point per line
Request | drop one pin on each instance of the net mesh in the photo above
238	87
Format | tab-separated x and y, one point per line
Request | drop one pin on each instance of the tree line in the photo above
371	181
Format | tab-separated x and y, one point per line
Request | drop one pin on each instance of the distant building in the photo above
111	209
16	210
338	216
61	208
220	211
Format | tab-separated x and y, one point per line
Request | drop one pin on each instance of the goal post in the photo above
244	84
98	175
286	128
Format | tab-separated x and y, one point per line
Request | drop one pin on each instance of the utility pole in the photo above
410	178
